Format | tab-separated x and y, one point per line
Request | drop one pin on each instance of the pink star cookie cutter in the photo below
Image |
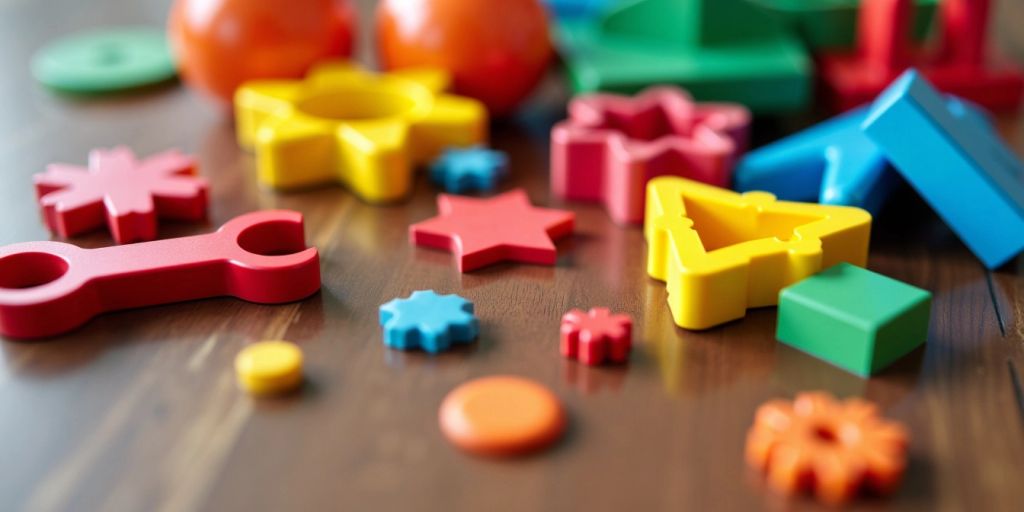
611	146
126	194
596	336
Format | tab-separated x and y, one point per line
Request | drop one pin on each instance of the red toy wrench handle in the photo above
48	288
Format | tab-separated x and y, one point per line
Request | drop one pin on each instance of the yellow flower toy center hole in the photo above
357	104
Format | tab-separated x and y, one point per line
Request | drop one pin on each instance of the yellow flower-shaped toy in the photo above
344	124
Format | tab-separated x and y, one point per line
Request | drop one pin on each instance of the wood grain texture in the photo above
139	410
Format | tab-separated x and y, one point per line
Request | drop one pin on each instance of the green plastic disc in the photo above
106	60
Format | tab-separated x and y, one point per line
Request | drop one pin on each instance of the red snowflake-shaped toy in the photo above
127	194
596	336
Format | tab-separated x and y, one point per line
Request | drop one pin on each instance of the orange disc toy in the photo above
833	449
501	415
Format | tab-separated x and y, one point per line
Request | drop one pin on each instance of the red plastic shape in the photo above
611	146
596	336
126	194
49	288
482	232
961	64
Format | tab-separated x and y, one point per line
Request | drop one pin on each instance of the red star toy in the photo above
596	336
611	146
485	231
126	194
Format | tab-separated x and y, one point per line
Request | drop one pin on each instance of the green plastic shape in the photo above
105	60
719	50
832	24
854	318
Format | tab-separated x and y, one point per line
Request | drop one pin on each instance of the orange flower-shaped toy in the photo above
831	448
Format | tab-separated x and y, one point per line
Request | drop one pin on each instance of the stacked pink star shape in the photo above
596	336
125	194
611	146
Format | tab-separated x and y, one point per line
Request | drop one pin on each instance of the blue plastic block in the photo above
958	164
832	163
428	321
460	170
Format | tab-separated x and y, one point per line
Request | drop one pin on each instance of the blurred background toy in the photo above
221	43
497	56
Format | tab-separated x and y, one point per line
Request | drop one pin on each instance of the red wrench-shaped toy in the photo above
49	288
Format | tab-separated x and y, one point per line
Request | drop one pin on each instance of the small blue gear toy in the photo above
428	321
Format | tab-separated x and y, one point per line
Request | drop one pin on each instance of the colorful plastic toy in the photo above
428	321
269	368
49	288
612	145
719	50
125	194
853	318
596	336
720	252
956	162
962	65
344	124
501	416
832	24
830	163
482	232
221	44
834	449
105	60
497	55
461	170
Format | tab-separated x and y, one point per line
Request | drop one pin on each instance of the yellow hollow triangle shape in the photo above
720	252
343	124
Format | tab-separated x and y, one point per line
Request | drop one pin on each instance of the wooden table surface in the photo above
139	410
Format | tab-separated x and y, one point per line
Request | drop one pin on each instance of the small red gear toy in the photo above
596	336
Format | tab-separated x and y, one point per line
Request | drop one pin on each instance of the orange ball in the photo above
220	44
496	51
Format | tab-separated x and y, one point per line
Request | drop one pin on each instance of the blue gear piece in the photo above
428	321
460	170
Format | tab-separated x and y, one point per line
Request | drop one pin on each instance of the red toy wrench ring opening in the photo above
48	288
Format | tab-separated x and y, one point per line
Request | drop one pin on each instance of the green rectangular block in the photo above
854	318
719	50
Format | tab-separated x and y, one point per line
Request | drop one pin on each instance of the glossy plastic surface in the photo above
611	146
502	416
343	124
482	232
220	44
961	62
596	336
49	288
126	194
720	252
719	50
495	52
955	159
428	321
